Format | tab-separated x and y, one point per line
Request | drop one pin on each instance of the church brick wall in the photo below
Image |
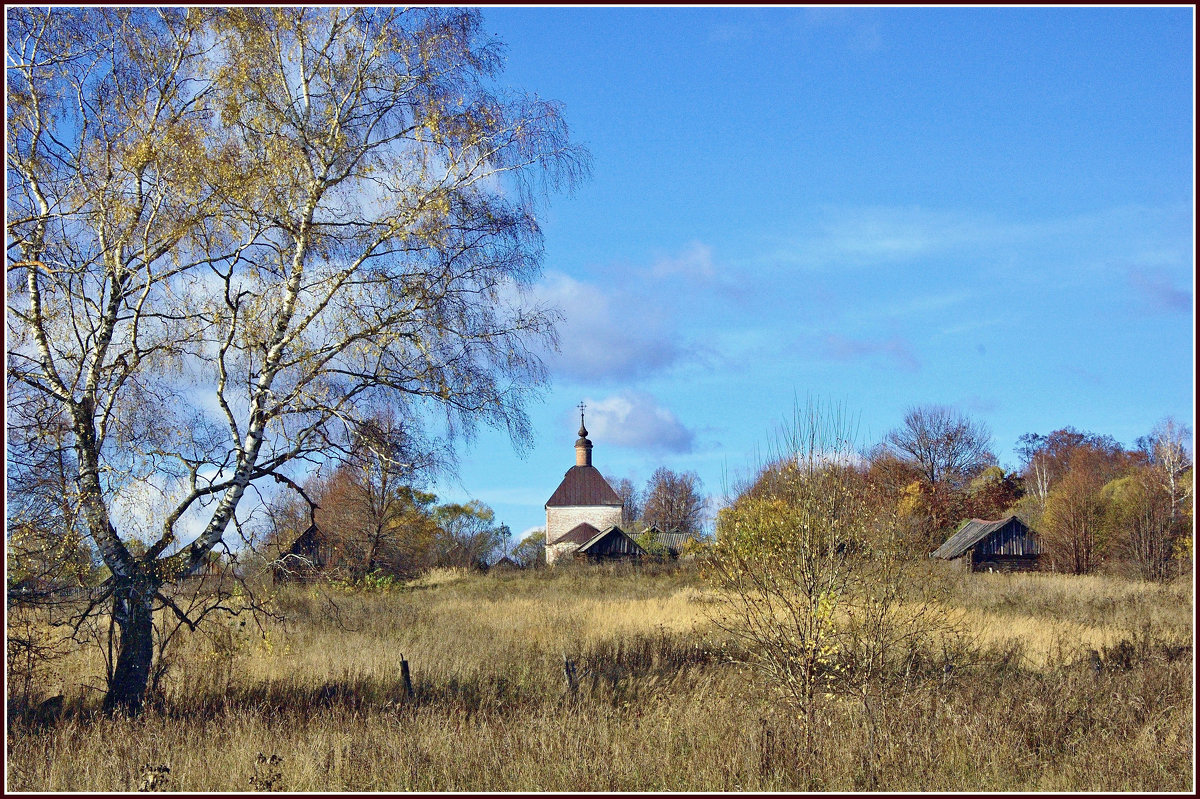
560	520
556	552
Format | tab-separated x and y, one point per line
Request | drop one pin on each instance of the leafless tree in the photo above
631	501
946	445
235	234
673	501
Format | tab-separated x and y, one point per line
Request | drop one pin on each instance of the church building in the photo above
584	513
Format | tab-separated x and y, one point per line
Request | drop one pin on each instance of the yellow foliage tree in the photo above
235	234
817	578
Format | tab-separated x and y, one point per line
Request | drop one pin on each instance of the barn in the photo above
305	559
984	545
611	543
585	542
672	540
505	564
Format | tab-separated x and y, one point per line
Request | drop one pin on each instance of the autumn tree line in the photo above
373	524
821	559
1095	503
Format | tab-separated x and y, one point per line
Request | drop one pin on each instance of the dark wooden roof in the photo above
971	534
583	485
307	542
607	533
673	539
579	534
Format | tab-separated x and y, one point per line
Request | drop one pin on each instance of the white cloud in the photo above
877	235
881	235
858	29
635	419
607	332
840	457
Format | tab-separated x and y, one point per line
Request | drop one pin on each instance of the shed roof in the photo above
603	534
579	534
583	485
970	534
671	539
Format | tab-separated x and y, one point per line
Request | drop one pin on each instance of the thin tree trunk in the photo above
133	609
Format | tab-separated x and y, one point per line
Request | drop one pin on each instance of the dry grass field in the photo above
316	701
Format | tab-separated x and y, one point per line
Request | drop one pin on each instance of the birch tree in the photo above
1137	519
234	235
1170	460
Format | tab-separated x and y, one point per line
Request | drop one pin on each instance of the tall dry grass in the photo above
659	702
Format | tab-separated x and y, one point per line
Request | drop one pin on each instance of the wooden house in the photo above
672	540
505	564
305	559
585	542
611	543
1000	545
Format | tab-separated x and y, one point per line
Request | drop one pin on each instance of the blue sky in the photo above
986	208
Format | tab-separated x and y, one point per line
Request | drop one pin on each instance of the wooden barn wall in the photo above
1006	563
1011	539
613	546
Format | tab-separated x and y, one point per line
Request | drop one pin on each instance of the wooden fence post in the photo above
406	677
569	674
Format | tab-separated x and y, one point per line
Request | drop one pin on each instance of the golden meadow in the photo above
315	700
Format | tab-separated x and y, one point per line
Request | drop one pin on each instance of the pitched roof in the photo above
675	540
969	535
579	534
603	534
583	485
671	539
